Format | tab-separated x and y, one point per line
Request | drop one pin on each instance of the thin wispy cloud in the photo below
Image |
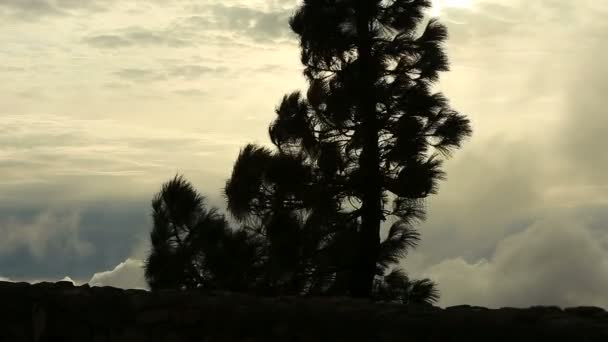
141	37
56	148
39	9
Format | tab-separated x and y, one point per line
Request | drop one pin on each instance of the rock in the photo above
547	310
38	322
153	317
587	311
458	308
63	312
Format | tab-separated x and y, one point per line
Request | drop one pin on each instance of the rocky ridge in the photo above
64	312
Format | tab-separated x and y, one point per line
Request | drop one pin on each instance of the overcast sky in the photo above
101	101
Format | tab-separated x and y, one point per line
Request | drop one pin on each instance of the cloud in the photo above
269	68
140	75
127	275
75	192
35	281
520	220
32	93
186	72
140	37
494	188
193	71
259	25
11	69
48	230
108	41
112	227
68	279
47	150
35	9
191	92
552	262
30	9
583	133
525	159
215	24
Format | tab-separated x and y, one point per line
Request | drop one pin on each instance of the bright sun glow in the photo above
438	5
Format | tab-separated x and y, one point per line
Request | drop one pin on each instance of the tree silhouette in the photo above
293	201
370	118
194	247
365	143
288	254
282	198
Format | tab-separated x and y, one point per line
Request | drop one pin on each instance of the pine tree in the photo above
290	201
365	143
288	252
194	247
371	115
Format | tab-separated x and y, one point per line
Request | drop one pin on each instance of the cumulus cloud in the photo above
552	262
127	275
519	220
584	130
68	279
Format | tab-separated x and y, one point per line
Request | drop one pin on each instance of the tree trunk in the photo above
369	236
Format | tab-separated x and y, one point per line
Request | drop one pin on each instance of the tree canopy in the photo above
367	140
194	247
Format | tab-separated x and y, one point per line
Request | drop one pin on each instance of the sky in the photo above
104	100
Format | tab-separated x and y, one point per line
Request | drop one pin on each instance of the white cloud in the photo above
552	262
519	220
66	278
51	280
142	248
127	275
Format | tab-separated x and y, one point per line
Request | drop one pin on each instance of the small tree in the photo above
292	201
194	247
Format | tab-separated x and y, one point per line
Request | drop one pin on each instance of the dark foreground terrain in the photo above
63	312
